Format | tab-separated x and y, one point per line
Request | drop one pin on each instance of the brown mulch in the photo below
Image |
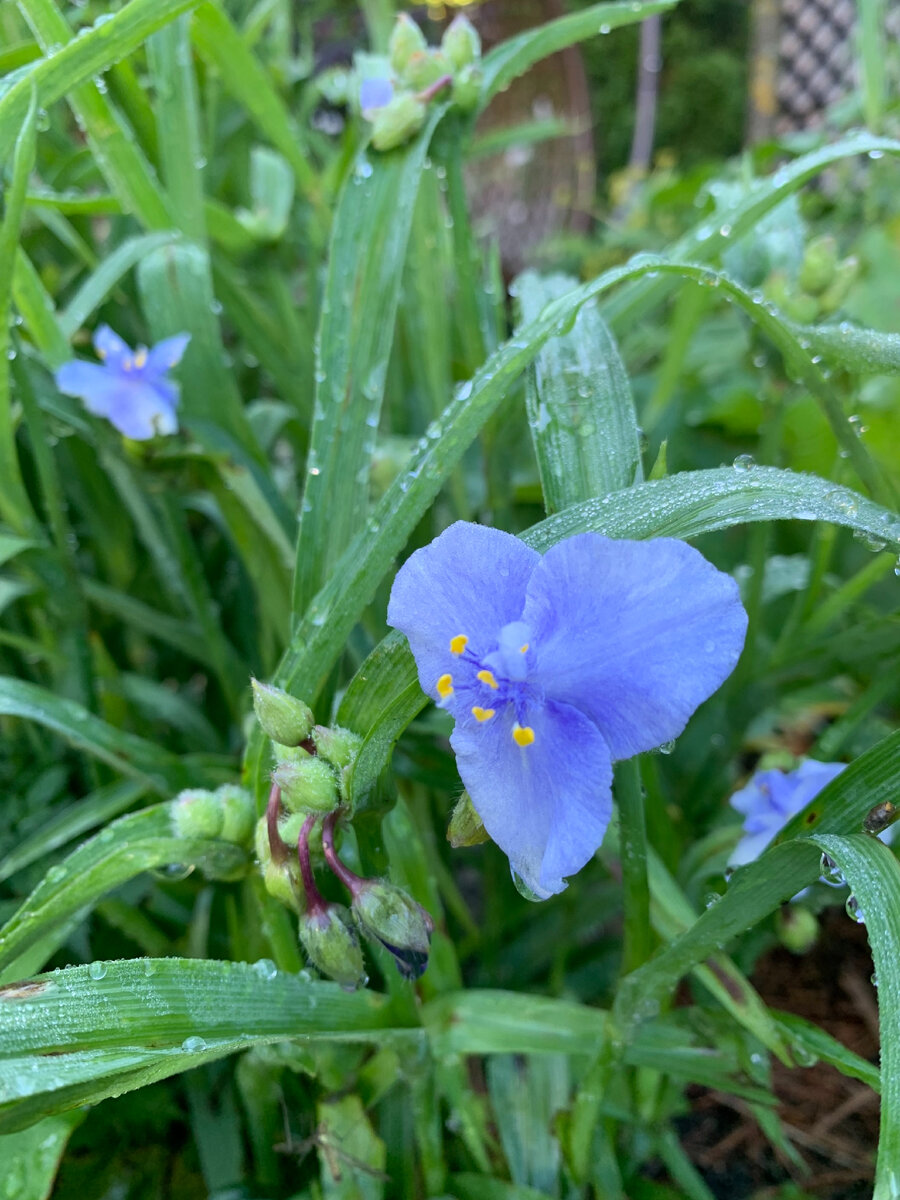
831	1121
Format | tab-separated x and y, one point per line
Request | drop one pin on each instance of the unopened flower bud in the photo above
284	718
397	122
461	43
291	754
238	813
387	914
797	928
332	945
281	879
337	746
794	304
467	87
406	39
424	68
196	813
466	827
820	261
307	786
281	883
845	276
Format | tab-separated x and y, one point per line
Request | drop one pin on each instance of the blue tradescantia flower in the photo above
375	93
553	667
769	800
129	388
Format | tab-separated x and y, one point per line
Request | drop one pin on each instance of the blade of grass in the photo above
14	503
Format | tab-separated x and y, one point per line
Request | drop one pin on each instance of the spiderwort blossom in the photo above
769	800
553	667
129	387
375	93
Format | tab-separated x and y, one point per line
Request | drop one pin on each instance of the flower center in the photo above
490	684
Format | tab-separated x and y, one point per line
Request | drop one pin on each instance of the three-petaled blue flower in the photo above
130	387
374	93
769	800
554	667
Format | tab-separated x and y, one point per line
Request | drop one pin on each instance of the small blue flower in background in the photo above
554	667
769	800
130	387
375	93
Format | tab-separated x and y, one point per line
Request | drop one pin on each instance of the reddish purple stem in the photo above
314	900
432	90
277	848
348	878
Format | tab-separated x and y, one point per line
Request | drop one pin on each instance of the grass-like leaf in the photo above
86	1033
134	843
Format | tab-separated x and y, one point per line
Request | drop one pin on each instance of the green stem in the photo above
636	891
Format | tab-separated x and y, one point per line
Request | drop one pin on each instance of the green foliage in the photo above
719	362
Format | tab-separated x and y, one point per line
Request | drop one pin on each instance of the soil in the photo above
831	1121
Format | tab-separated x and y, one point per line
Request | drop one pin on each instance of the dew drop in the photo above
265	968
523	889
666	747
173	872
744	462
830	872
804	1056
193	1045
854	912
97	970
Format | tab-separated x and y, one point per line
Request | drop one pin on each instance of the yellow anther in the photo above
458	644
101	354
140	358
445	686
488	678
522	649
127	364
482	714
523	735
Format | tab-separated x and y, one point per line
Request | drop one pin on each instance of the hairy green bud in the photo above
196	813
406	40
461	43
466	827
424	68
336	745
797	928
308	786
397	121
467	87
281	883
238	813
284	718
845	276
389	916
820	260
331	943
794	304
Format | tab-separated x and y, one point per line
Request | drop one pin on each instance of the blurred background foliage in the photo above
154	579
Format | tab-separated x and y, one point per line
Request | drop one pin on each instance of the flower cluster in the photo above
395	92
554	667
310	783
129	387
